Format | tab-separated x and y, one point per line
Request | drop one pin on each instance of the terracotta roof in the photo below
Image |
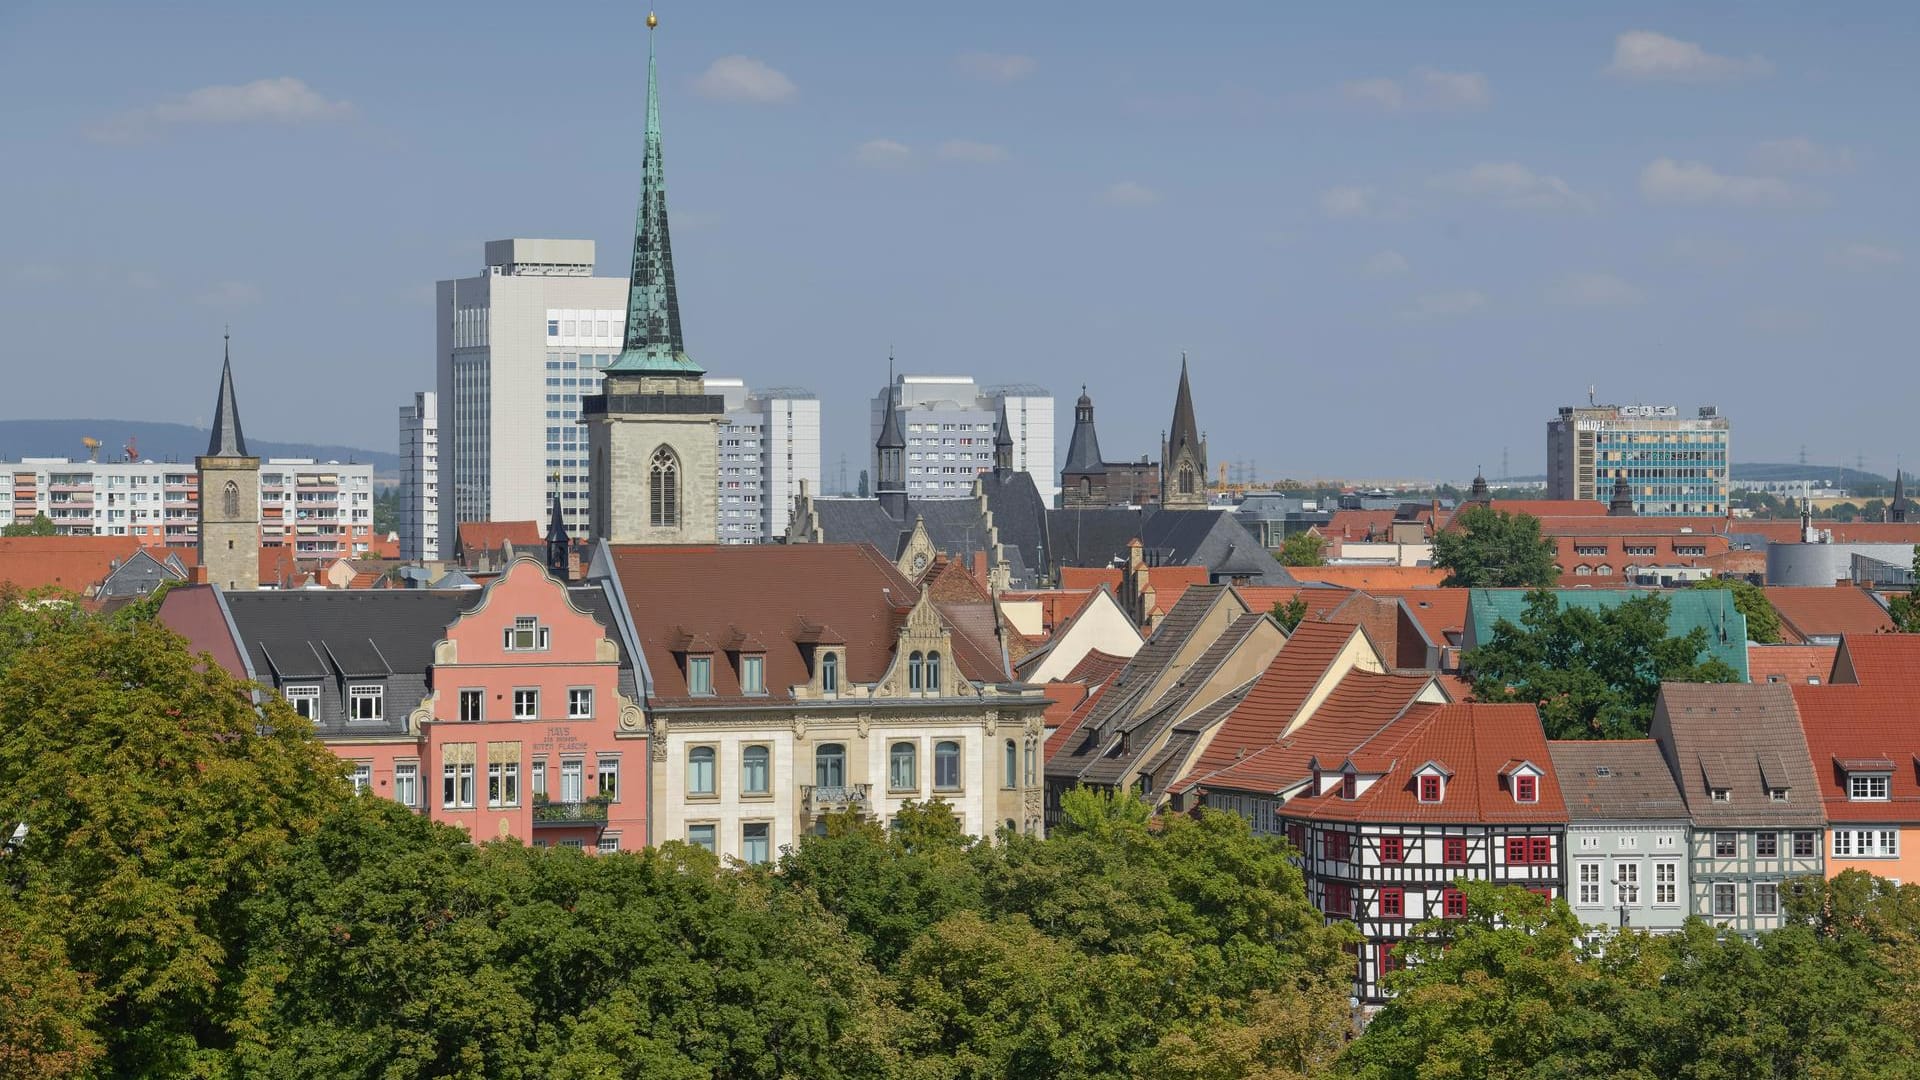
1472	742
1361	704
1742	737
1320	601
1575	550
1438	611
1787	531
1097	667
1870	728
1639	526
787	596
1615	780
73	563
1369	577
1067	727
1057	606
1358	525
1301	664
477	536
1880	659
1790	663
1811	612
1546	508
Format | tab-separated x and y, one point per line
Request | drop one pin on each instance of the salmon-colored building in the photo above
508	711
1866	754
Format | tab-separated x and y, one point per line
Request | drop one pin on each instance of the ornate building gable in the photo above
923	657
918	554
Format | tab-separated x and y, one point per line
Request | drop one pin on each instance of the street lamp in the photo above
1620	887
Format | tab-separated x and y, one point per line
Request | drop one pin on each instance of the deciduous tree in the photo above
1487	548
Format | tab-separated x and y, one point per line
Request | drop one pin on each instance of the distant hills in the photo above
1838	475
161	442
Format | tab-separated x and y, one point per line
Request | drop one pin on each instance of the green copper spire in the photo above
653	342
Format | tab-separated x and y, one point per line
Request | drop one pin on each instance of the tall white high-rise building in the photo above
518	346
948	423
419	509
769	442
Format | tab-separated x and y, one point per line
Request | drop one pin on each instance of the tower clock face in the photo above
919	560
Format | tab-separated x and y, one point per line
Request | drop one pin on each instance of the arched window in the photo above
946	766
700	770
230	501
663	489
754	771
1583	570
1186	479
914	668
830	673
1011	775
830	765
903	767
1604	570
1086	486
933	673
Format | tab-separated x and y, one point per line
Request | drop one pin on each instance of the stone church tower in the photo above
650	432
1183	455
229	496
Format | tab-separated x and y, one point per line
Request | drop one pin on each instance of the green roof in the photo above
1711	609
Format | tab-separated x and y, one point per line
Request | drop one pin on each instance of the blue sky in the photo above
1391	238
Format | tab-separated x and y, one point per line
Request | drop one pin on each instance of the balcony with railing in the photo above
834	798
547	814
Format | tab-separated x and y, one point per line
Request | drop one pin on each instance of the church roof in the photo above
1083	452
227	439
1185	431
653	342
1212	538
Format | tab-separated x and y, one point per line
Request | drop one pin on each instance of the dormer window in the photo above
1720	794
1867	788
916	672
1349	786
1776	794
305	700
366	701
1526	788
830	673
753	674
525	635
1431	788
933	673
700	675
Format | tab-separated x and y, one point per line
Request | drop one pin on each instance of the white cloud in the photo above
1707	251
1592	290
970	151
1385	264
1346	202
1801	155
1425	90
1696	183
1866	257
882	153
229	294
1512	184
284	100
1646	56
1441	305
1129	193
995	67
744	80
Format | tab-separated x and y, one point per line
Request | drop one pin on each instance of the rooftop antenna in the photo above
1591	391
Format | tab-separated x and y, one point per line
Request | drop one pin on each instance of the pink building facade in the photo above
507	712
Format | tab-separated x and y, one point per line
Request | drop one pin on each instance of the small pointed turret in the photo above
1002	444
1898	511
227	439
1622	504
891	485
1480	492
559	564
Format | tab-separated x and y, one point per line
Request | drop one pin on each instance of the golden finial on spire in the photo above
652	20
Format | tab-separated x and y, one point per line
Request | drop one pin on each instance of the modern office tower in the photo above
419	509
948	423
1673	465
769	441
518	346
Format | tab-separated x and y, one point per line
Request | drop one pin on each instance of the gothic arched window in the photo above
1186	479
663	489
914	665
1086	487
230	501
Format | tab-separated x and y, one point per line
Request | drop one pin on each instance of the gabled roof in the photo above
1210	538
1826	612
73	563
1276	697
1742	737
1171	708
956	526
1368	578
1790	663
1885	660
1616	780
1708	609
1473	742
1867	728
1438	611
489	536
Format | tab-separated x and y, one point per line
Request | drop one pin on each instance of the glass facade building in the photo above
1674	465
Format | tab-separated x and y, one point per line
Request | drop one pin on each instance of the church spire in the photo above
227	439
653	342
1002	443
891	487
1898	511
1183	454
559	545
1622	504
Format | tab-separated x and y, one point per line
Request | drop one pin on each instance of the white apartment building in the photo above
948	422
419	498
769	441
320	509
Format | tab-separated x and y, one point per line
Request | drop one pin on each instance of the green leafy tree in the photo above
1906	609
1303	549
1487	548
47	1008
1289	613
386	510
1763	623
1592	674
41	525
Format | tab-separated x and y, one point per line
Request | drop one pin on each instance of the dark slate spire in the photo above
1622	504
1898	511
1002	443
892	486
653	343
227	440
1083	452
1185	431
558	543
1480	493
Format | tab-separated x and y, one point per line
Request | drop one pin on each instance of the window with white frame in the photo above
473	706
406	783
1626	883
753	678
456	785
362	777
1868	788
580	703
700	770
1666	883
609	843
365	701
538	770
1589	843
305	700
526	704
503	783
1866	843
572	782
525	635
1589	884
756	842
607	769
700	675
1724	898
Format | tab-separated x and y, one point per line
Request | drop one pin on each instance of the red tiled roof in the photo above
1361	704
1639	526
1359	525
1320	602
1367	578
781	594
1096	667
1784	531
478	536
1057	606
1827	611
1546	508
1574	550
1436	610
1474	742
1790	663
1263	715
1885	660
1065	731
1859	723
73	563
1088	578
